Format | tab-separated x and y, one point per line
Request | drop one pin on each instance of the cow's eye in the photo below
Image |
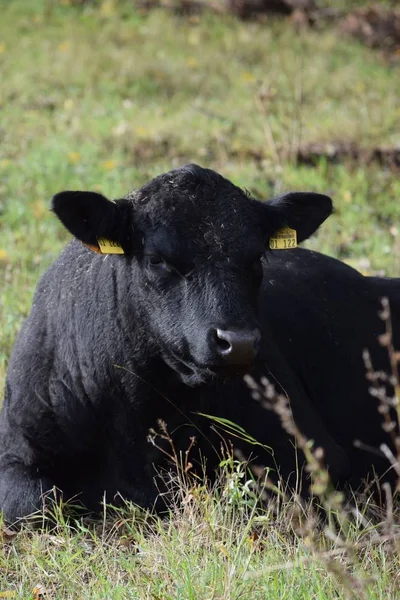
156	262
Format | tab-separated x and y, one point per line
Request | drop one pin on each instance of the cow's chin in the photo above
192	374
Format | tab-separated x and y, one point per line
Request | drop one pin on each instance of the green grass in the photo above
104	97
211	547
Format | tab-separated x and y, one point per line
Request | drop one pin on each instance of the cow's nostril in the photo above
223	343
237	346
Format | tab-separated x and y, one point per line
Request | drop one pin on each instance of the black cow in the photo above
166	330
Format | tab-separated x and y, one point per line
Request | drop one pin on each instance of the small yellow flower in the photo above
3	257
109	165
74	157
2	47
141	131
68	103
64	46
192	62
107	8
347	196
247	76
194	38
5	163
38	209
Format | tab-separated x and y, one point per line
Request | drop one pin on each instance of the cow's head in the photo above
194	244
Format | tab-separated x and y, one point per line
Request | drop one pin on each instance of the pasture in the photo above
102	96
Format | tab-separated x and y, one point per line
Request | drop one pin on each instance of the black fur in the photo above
114	343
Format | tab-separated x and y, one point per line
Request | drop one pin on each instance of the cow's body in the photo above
324	315
91	373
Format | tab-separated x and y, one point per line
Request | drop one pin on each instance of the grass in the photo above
104	97
212	546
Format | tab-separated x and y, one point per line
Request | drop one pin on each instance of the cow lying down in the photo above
155	310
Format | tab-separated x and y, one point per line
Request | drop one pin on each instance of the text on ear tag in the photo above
283	239
109	246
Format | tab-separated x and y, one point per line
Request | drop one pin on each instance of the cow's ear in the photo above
90	217
302	211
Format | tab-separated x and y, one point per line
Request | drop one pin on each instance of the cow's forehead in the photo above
220	212
197	213
212	239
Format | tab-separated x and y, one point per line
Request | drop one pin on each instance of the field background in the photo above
103	96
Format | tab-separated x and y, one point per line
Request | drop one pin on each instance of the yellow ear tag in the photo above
283	239
109	247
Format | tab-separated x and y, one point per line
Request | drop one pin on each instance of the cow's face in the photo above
195	244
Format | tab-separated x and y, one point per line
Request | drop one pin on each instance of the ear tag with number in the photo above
283	239
109	246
